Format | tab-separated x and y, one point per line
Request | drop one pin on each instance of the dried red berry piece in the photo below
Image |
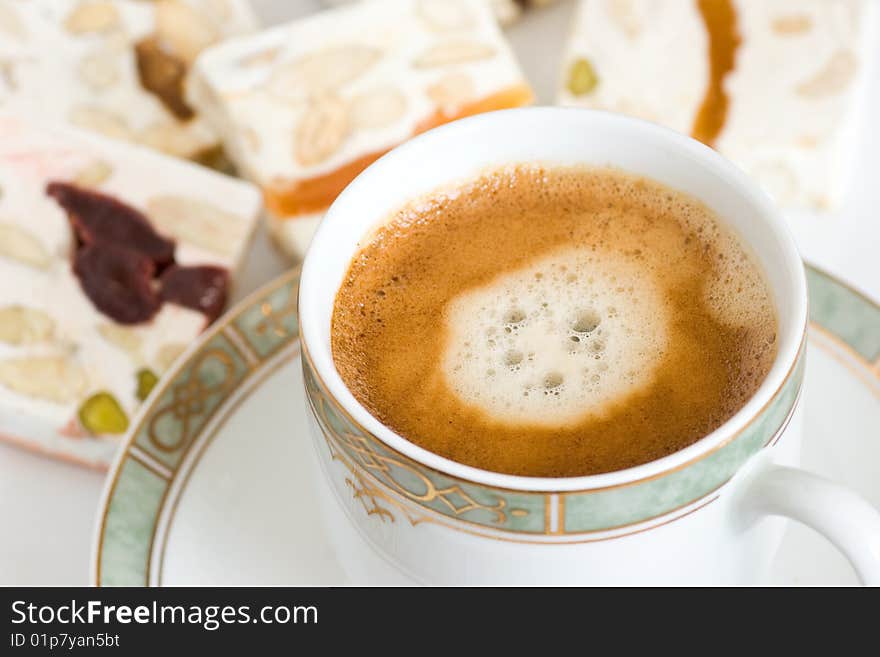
203	288
118	281
100	219
119	255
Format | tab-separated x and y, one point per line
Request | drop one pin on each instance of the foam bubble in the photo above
564	336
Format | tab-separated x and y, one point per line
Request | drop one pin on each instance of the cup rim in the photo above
791	336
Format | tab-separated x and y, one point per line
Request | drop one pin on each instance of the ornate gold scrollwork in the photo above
368	499
414	485
274	318
188	401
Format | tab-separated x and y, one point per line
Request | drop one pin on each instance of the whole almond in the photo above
128	340
11	24
623	14
52	378
96	16
93	174
175	138
197	222
377	108
792	24
20	245
182	30
322	71
100	120
453	52
22	325
322	130
832	78
452	91
99	70
443	15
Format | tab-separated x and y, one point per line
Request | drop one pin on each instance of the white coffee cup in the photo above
397	513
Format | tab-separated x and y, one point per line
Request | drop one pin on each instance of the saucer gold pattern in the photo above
206	459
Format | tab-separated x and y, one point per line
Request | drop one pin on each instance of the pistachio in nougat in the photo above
771	84
108	272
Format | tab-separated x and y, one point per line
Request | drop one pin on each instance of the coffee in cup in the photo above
553	321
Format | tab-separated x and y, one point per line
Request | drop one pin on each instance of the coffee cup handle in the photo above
842	516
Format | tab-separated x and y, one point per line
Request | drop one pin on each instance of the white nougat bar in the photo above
85	62
57	349
303	107
506	11
792	92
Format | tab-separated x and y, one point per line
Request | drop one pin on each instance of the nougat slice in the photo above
117	67
304	107
113	259
774	85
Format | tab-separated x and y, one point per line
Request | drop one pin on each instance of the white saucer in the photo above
215	483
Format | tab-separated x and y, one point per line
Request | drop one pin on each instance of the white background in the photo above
47	508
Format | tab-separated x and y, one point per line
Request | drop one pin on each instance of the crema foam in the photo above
553	321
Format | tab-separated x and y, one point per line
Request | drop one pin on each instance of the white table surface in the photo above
47	508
